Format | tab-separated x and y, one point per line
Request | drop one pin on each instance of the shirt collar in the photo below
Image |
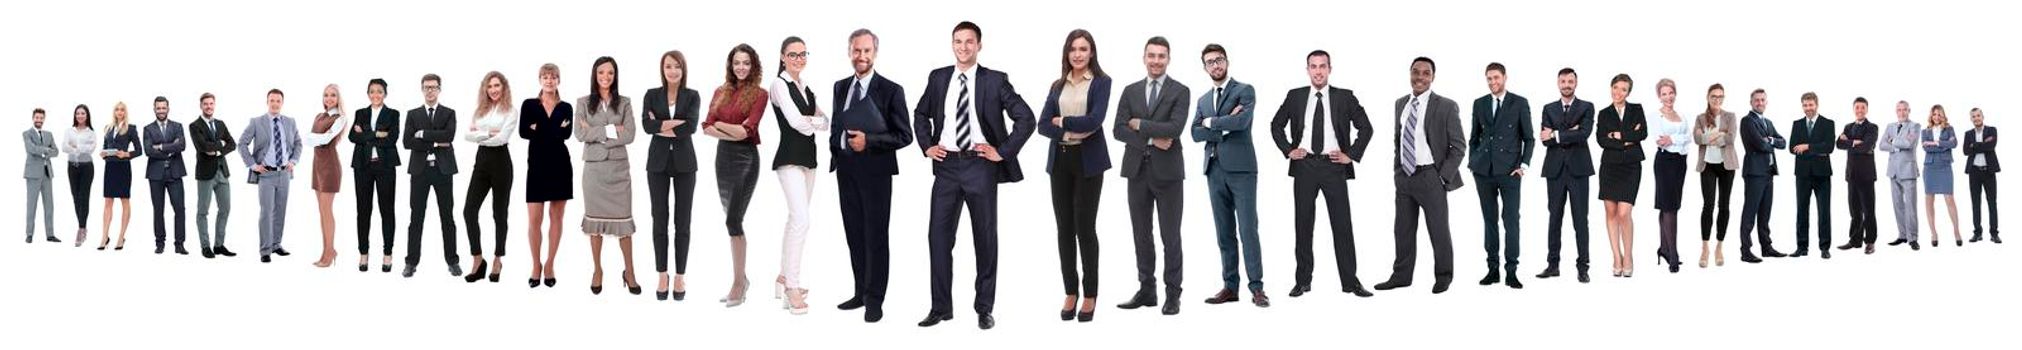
1421	97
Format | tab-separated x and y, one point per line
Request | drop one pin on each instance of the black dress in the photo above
1621	157
550	177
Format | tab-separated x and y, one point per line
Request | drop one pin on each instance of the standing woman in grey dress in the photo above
1939	140
605	128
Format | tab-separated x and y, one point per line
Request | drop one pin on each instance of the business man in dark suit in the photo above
1811	141
870	124
967	171
1222	123
1758	174
1564	130
1149	117
164	147
1502	143
432	131
213	141
1318	118
1858	139
374	132
1981	165
1431	144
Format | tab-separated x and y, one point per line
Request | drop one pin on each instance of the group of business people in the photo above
972	124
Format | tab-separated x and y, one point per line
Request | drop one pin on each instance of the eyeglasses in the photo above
1717	97
1217	61
796	55
431	88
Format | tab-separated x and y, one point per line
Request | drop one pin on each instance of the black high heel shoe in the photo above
496	270
631	283
533	283
478	273
1070	312
549	282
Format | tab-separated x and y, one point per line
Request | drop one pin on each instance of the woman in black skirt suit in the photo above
1622	131
121	145
1674	139
545	123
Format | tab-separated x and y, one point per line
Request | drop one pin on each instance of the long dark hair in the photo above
739	90
597	98
1067	66
679	60
87	117
790	40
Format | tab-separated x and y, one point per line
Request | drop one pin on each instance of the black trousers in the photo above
1501	198
1334	188
963	179
1165	200
1981	181
1755	208
1422	191
80	191
867	219
1809	188
1716	188
417	204
374	183
1076	199
683	184
173	188
491	175
1860	201
1561	192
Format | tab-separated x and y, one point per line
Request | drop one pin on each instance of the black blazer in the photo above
1503	140
1860	160
1343	112
996	101
1566	152
794	148
671	154
881	116
1628	148
1975	147
1761	141
211	138
366	143
424	132
1816	161
1164	118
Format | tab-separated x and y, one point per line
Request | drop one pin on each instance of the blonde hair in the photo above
118	125
1937	118
548	69
1666	83
340	99
485	104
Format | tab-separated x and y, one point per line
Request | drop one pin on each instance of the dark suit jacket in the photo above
1344	112
366	142
1628	148
1228	133
1760	141
165	162
1164	118
1975	146
1566	152
1095	157
423	132
1860	160
1816	161
1444	135
671	154
996	103
882	118
209	139
1502	138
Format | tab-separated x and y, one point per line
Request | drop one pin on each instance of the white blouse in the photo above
782	98
1680	132
81	144
502	121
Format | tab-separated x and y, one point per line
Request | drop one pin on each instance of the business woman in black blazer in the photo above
669	115
374	154
1073	117
1622	130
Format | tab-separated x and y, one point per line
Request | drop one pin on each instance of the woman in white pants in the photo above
793	103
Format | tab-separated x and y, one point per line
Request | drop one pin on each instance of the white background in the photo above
1928	52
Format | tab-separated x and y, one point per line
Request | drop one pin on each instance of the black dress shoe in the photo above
1898	242
1358	291
1142	299
935	318
1801	252
1549	273
1491	279
1772	253
208	253
1871	249
364	267
281	252
985	322
266	259
1913	246
1171	305
1583	277
1850	246
224	252
181	251
1441	285
873	315
1995	238
1257	298
851	304
1299	290
407	271
1976	238
1513	283
455	270
158	249
1750	258
1825	254
1389	285
1225	296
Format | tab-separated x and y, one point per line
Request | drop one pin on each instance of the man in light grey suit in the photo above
41	146
1900	140
1150	115
270	150
1430	147
164	148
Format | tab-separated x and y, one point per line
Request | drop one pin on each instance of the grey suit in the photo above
40	146
163	143
1900	140
1156	176
271	141
1424	187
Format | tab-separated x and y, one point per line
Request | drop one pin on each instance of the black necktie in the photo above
1319	124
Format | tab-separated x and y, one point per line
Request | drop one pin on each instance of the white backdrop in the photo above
98	53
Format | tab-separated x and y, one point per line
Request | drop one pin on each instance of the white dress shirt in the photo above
948	124
501	120
1679	131
1328	142
782	100
81	144
1421	152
